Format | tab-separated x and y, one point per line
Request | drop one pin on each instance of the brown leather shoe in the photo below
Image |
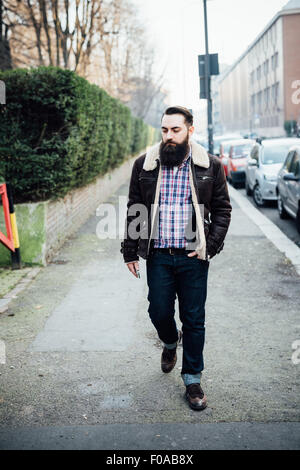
196	397
168	359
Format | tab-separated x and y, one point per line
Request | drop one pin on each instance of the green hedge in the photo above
59	132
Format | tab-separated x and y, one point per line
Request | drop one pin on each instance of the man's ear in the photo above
191	131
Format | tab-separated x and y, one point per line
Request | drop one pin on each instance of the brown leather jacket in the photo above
209	193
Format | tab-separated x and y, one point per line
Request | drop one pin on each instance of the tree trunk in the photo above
5	57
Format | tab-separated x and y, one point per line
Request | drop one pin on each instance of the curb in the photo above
22	284
269	229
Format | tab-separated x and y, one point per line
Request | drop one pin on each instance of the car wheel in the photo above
257	196
298	220
282	212
248	189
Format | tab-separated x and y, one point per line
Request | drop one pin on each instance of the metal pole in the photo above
207	86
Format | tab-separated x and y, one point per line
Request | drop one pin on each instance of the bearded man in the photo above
187	214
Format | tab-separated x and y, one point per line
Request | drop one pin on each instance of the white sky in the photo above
176	29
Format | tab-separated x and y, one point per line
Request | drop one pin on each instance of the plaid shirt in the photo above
175	206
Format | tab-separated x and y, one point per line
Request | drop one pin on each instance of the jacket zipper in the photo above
150	178
154	215
204	178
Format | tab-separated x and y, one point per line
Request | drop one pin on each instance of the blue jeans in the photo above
168	275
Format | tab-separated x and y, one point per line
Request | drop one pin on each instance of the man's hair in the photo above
180	110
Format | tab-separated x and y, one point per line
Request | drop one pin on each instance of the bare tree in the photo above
60	31
5	57
126	64
101	40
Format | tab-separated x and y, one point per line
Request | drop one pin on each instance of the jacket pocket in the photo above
204	178
146	178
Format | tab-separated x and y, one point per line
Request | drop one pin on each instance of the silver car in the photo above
288	188
266	159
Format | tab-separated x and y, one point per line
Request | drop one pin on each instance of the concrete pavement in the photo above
82	355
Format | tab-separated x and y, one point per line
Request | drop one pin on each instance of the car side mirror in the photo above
252	162
291	177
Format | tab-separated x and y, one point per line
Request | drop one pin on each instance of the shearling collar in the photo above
199	156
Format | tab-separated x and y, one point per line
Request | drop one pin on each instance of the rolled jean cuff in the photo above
170	346
189	379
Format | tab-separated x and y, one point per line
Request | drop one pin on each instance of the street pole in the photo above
207	86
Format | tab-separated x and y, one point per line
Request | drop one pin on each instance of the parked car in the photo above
239	152
221	139
266	159
288	186
223	154
222	145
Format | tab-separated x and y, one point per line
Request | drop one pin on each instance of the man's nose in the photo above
169	135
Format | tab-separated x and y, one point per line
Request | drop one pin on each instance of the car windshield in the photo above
241	151
271	155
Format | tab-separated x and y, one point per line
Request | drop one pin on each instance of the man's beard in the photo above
173	155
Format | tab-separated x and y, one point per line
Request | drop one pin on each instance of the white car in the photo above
288	187
263	166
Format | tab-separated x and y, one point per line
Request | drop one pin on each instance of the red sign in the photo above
7	240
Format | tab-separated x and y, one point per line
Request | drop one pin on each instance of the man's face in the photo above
174	129
175	140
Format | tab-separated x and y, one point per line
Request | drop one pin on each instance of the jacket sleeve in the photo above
129	246
220	212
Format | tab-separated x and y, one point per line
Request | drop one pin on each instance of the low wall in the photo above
44	226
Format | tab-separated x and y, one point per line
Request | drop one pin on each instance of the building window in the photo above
274	60
258	73
252	77
253	103
275	93
266	67
267	97
259	101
